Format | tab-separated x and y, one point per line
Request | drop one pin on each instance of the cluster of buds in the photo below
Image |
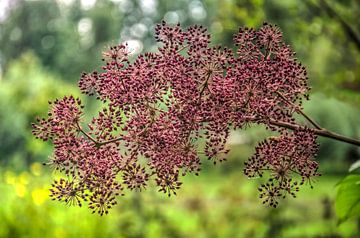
159	111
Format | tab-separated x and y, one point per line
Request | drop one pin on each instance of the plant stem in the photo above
182	48
109	141
321	132
298	110
86	134
97	143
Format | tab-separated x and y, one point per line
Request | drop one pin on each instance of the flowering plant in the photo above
157	109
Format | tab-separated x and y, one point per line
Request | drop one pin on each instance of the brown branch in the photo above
318	129
309	119
321	132
204	86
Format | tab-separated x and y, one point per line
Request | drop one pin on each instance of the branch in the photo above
321	132
109	141
204	86
318	129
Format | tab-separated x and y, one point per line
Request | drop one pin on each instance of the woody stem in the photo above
321	132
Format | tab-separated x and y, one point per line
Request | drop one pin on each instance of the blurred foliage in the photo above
67	39
24	94
211	205
68	36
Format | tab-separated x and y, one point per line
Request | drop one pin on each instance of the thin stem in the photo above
97	143
267	51
85	133
182	48
321	132
204	86
309	119
109	141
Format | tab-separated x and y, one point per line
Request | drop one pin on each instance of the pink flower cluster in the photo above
160	108
287	158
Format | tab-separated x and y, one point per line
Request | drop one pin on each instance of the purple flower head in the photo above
158	109
288	160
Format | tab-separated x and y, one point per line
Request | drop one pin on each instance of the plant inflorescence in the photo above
158	108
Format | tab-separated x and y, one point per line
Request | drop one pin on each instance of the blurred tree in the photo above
67	38
67	35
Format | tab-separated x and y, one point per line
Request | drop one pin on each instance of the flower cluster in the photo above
288	158
159	107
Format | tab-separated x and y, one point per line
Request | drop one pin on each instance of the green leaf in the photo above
347	203
354	166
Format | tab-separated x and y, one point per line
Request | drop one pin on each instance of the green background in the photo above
46	45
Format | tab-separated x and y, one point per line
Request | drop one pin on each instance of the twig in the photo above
182	48
85	133
97	143
317	126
